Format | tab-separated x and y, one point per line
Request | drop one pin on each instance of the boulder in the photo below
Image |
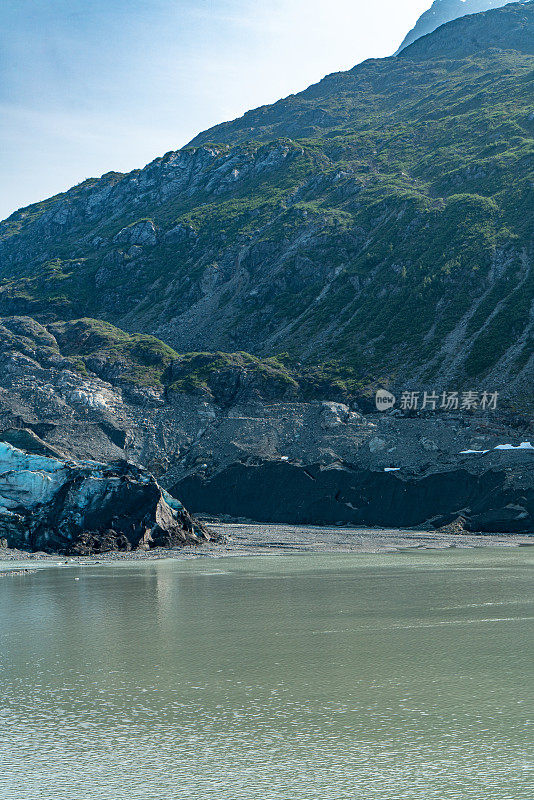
333	414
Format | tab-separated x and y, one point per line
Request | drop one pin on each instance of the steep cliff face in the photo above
490	501
443	11
380	220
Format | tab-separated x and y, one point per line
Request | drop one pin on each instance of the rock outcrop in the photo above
85	507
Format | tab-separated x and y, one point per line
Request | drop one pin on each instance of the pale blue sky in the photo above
88	86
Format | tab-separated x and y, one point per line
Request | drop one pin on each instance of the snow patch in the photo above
522	446
469	452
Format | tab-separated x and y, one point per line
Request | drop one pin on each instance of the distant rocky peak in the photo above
443	11
509	28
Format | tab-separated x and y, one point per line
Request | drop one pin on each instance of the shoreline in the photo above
256	539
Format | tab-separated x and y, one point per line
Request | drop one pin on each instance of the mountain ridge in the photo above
375	219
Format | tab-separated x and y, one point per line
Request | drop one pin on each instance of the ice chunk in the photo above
469	452
522	446
13	459
171	501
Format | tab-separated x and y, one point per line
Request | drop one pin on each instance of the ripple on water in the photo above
335	684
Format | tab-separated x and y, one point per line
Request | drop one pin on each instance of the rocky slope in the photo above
84	507
380	220
235	438
443	11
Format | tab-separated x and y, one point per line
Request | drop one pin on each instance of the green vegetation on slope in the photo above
381	220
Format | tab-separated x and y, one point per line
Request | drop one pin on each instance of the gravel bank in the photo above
252	539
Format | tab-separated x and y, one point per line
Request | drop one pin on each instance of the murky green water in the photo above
391	677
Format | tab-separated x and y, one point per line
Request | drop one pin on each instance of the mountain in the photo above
378	224
443	11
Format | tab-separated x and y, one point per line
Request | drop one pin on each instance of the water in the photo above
399	676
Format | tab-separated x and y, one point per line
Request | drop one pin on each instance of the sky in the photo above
89	86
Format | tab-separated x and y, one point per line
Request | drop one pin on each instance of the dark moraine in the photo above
493	501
